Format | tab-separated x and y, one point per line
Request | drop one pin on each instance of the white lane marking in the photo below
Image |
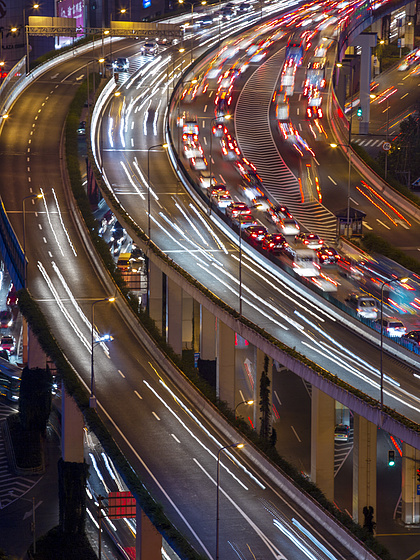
332	180
277	397
175	438
366	225
138	395
295	432
205	109
121	373
155	415
382	224
405	95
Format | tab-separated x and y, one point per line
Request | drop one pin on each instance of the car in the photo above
82	128
288	226
206	20
12	297
230	150
244	221
219	129
341	432
6	319
327	255
255	234
149	49
277	213
8	343
365	305
244	7
236	209
198	163
392	326
412	336
222	199
121	64
205	180
217	189
274	243
190	126
311	240
192	150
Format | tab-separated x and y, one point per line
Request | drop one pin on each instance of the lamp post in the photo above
24	199
34	6
92	398
348	184
238	446
243	402
148	182
387	282
203	3
339	65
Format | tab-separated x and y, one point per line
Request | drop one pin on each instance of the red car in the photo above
274	242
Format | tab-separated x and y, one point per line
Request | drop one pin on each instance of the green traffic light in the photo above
391	458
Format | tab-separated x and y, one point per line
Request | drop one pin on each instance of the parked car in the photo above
392	326
6	319
8	343
342	432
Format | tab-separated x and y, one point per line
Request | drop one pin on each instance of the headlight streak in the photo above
209	229
62	223
110	524
110	125
122	124
190	431
345	350
208	256
92	518
132	183
174	240
288	287
188	219
156	118
98	472
294	539
49	221
245	300
144	180
282	293
271	547
203	428
313	539
146	116
262	300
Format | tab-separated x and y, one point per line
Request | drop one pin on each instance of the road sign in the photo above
386	146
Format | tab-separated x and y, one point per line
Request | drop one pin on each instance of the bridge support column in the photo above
187	321
322	442
364	467
36	356
174	316
148	539
366	41
155	299
208	335
410	499
72	424
410	19
259	367
225	364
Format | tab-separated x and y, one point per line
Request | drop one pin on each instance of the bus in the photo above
10	375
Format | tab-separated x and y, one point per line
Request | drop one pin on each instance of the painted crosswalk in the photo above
368	142
12	486
342	450
257	143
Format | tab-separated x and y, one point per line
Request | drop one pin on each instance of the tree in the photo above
35	399
265	402
369	524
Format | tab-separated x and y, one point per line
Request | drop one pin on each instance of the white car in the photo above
149	49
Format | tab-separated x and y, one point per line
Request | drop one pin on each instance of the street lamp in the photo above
92	398
387	282
243	402
348	146
34	6
238	446
148	182
203	3
24	199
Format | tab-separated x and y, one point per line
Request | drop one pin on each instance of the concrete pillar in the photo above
410	20
410	498
259	367
322	442
196	326
366	41
364	467
72	425
208	335
225	366
155	295
187	321
174	316
36	356
148	539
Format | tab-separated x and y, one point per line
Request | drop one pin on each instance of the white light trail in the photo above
188	219
62	224
144	180
209	229
132	183
156	118
313	539
49	221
